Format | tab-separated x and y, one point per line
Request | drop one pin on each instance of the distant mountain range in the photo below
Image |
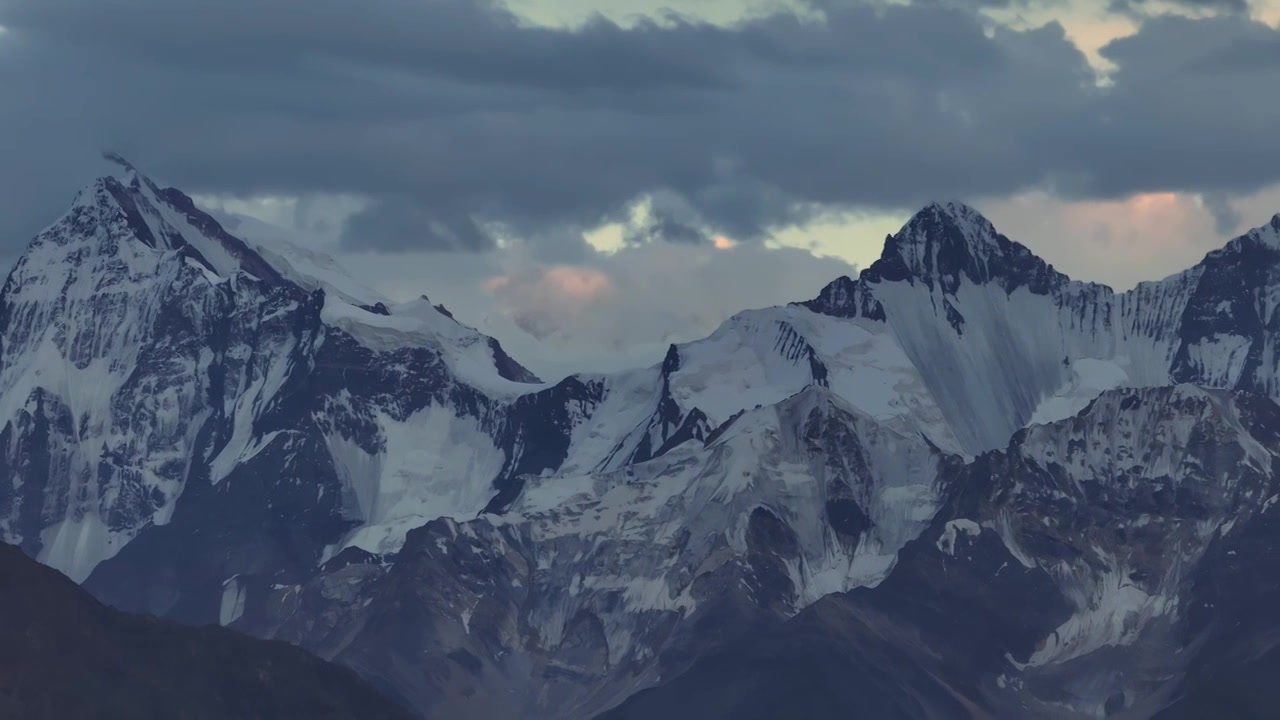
960	485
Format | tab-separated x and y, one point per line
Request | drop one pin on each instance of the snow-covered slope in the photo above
224	428
1115	564
966	336
377	321
607	572
1118	506
307	268
143	348
106	322
1059	571
853	490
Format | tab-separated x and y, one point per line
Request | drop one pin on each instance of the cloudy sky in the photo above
611	175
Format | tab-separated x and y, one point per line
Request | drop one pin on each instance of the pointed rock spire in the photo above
945	243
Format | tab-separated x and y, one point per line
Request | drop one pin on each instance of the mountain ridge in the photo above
66	655
297	458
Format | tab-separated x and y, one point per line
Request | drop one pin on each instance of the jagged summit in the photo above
942	246
162	218
1265	236
137	333
845	297
944	243
976	229
940	230
168	219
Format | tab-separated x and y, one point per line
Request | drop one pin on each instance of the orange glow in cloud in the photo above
1154	202
544	301
578	282
1145	236
564	280
1142	237
1154	213
557	283
722	243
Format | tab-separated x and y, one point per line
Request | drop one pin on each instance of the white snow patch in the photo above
233	596
1114	613
309	268
434	464
952	530
1090	377
466	352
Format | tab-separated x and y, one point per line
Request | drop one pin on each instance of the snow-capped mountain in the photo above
1063	577
589	580
967	336
148	354
207	421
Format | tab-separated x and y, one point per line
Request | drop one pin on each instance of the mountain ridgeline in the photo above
65	655
960	485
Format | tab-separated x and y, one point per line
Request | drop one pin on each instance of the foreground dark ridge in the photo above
65	655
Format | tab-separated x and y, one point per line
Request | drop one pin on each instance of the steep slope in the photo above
1231	615
65	655
957	331
1120	505
1074	574
596	585
112	321
147	355
968	336
999	337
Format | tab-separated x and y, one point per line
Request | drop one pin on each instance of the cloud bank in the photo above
457	120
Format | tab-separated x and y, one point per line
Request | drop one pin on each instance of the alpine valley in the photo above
960	485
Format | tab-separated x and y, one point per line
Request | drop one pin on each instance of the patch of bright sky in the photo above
855	238
1267	11
1089	24
626	12
606	239
858	238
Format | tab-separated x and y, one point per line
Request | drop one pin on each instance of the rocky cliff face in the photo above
148	355
1065	576
593	586
227	429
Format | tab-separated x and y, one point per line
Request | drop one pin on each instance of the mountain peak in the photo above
955	212
963	221
165	217
945	242
942	232
1268	234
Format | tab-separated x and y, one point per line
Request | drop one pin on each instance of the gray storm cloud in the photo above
452	117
